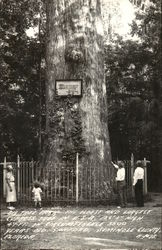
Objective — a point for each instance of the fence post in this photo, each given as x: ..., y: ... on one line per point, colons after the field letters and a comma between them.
x: 145, y: 176
x: 4, y: 177
x: 132, y: 172
x: 32, y: 170
x: 18, y: 175
x: 77, y: 179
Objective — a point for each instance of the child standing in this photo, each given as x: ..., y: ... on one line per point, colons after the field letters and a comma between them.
x: 37, y: 195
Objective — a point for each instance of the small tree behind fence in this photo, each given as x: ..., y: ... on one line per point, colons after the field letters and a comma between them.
x: 65, y: 183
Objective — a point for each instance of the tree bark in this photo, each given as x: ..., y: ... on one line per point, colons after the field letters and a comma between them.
x: 75, y: 50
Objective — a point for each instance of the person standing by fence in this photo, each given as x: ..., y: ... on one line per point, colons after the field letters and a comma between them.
x: 10, y: 188
x: 121, y: 185
x: 138, y: 184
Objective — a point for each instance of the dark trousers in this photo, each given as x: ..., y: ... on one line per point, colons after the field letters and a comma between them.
x: 139, y: 193
x: 122, y: 193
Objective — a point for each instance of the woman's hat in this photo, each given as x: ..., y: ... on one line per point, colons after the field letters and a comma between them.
x: 121, y: 164
x: 139, y: 163
x: 9, y: 167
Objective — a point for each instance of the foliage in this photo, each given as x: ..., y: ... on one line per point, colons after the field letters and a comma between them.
x: 134, y: 91
x: 19, y: 79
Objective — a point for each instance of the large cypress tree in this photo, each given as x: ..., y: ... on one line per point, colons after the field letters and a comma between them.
x: 75, y: 50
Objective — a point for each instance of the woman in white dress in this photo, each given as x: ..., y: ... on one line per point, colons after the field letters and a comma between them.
x: 10, y: 188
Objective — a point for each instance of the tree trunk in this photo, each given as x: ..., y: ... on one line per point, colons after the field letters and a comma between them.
x: 75, y: 50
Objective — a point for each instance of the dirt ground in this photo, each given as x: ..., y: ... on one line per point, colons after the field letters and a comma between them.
x: 102, y: 227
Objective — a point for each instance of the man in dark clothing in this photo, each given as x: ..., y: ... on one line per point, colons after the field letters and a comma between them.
x: 121, y: 185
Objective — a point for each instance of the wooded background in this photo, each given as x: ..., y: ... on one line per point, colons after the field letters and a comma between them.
x: 133, y: 81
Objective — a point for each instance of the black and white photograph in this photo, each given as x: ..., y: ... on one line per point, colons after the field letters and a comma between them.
x: 80, y: 125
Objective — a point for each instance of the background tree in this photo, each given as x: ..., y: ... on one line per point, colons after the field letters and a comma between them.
x: 134, y: 92
x: 149, y: 31
x: 75, y: 51
x: 20, y: 79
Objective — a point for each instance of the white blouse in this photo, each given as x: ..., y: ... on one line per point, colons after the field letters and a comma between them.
x: 120, y: 173
x: 138, y: 174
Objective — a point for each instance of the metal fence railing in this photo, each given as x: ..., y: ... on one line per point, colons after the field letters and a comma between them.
x: 65, y: 182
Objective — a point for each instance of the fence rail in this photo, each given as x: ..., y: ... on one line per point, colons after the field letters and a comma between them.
x: 64, y: 183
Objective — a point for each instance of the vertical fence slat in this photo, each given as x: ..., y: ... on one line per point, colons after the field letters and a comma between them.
x: 90, y: 182
x: 18, y: 176
x: 55, y: 181
x: 68, y: 184
x: 72, y: 182
x: 59, y: 182
x: 48, y: 184
x: 4, y: 177
x: 21, y: 172
x: 81, y: 174
x: 145, y: 176
x: 94, y: 183
x: 27, y: 182
x: 23, y: 183
x: 77, y: 180
x: 50, y: 187
x: 132, y: 172
x: 63, y: 183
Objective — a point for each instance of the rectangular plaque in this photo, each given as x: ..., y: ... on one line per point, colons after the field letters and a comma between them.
x: 68, y: 87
